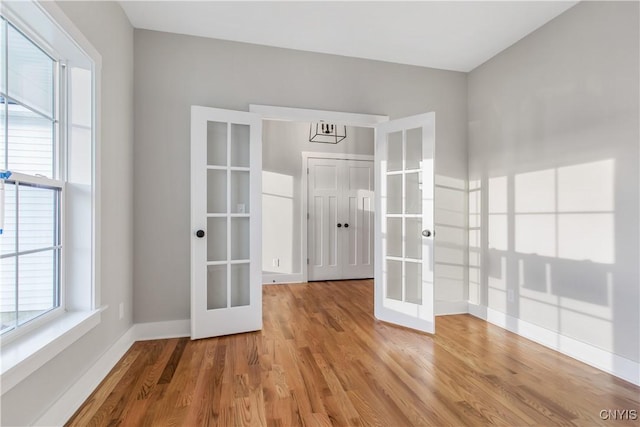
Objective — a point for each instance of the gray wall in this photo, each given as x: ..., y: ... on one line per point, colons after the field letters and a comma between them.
x: 173, y: 72
x: 107, y: 28
x: 553, y: 170
x: 282, y: 147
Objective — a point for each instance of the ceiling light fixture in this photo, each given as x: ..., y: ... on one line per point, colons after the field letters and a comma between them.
x: 327, y: 133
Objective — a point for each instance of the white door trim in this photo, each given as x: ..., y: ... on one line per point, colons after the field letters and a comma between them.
x: 271, y: 112
x: 306, y: 155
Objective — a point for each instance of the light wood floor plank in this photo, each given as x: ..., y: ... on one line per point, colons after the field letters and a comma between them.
x: 322, y: 359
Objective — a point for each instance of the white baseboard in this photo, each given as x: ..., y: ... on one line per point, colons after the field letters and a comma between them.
x: 162, y: 330
x: 478, y: 311
x: 276, y: 278
x: 611, y: 363
x: 63, y: 408
x: 444, y: 308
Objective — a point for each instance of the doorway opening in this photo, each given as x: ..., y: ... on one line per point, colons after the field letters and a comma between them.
x: 403, y: 244
x: 297, y: 241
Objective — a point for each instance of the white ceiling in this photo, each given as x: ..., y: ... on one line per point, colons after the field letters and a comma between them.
x: 451, y: 35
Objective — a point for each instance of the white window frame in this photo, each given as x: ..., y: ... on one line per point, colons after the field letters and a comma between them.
x: 49, y: 315
x: 41, y: 340
x: 60, y: 100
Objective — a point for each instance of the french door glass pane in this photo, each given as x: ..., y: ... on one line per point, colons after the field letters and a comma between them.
x: 36, y: 289
x: 394, y: 237
x: 239, y: 145
x: 413, y: 282
x: 414, y: 148
x: 240, y: 285
x: 216, y: 286
x: 240, y: 240
x: 216, y: 191
x: 394, y: 152
x: 216, y: 144
x: 413, y: 204
x: 394, y: 279
x: 30, y: 73
x: 239, y: 192
x: 216, y: 239
x: 413, y: 238
x: 37, y: 218
x: 394, y: 194
x: 7, y: 293
x: 30, y: 139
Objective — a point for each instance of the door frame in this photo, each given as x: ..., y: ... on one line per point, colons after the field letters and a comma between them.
x: 271, y: 112
x: 306, y: 155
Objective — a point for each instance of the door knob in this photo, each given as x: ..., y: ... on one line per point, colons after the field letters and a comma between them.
x: 346, y: 225
x: 200, y: 233
x: 426, y: 233
x: 339, y: 225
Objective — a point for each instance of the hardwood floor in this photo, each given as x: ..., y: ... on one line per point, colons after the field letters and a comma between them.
x: 322, y: 359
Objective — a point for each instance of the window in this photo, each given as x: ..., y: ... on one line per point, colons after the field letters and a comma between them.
x: 46, y: 143
x: 30, y: 249
x: 49, y: 247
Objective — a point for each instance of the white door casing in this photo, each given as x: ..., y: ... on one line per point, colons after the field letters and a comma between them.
x: 404, y: 224
x: 226, y: 270
x: 340, y: 220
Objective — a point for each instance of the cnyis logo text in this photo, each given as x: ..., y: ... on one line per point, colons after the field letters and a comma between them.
x: 619, y: 414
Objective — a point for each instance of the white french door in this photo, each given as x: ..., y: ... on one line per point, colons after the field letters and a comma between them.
x: 226, y: 163
x: 340, y: 224
x: 404, y: 224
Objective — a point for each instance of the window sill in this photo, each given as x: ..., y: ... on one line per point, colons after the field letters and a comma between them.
x: 22, y: 357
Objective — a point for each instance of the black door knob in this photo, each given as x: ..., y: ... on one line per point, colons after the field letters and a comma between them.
x: 346, y: 225
x: 200, y: 233
x: 339, y: 225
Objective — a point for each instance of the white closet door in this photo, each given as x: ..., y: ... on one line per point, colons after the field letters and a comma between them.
x: 340, y: 225
x: 404, y: 199
x: 226, y: 270
x: 357, y: 215
x: 324, y: 235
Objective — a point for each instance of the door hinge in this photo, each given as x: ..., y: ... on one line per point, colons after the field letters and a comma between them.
x: 307, y: 171
x: 307, y: 215
x: 307, y: 261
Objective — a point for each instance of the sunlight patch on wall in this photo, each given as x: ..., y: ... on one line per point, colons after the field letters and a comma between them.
x: 535, y: 191
x: 277, y: 217
x: 498, y: 232
x: 536, y: 234
x: 498, y: 195
x: 588, y: 187
x: 586, y: 237
x: 474, y: 241
x: 557, y: 237
x: 564, y: 212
